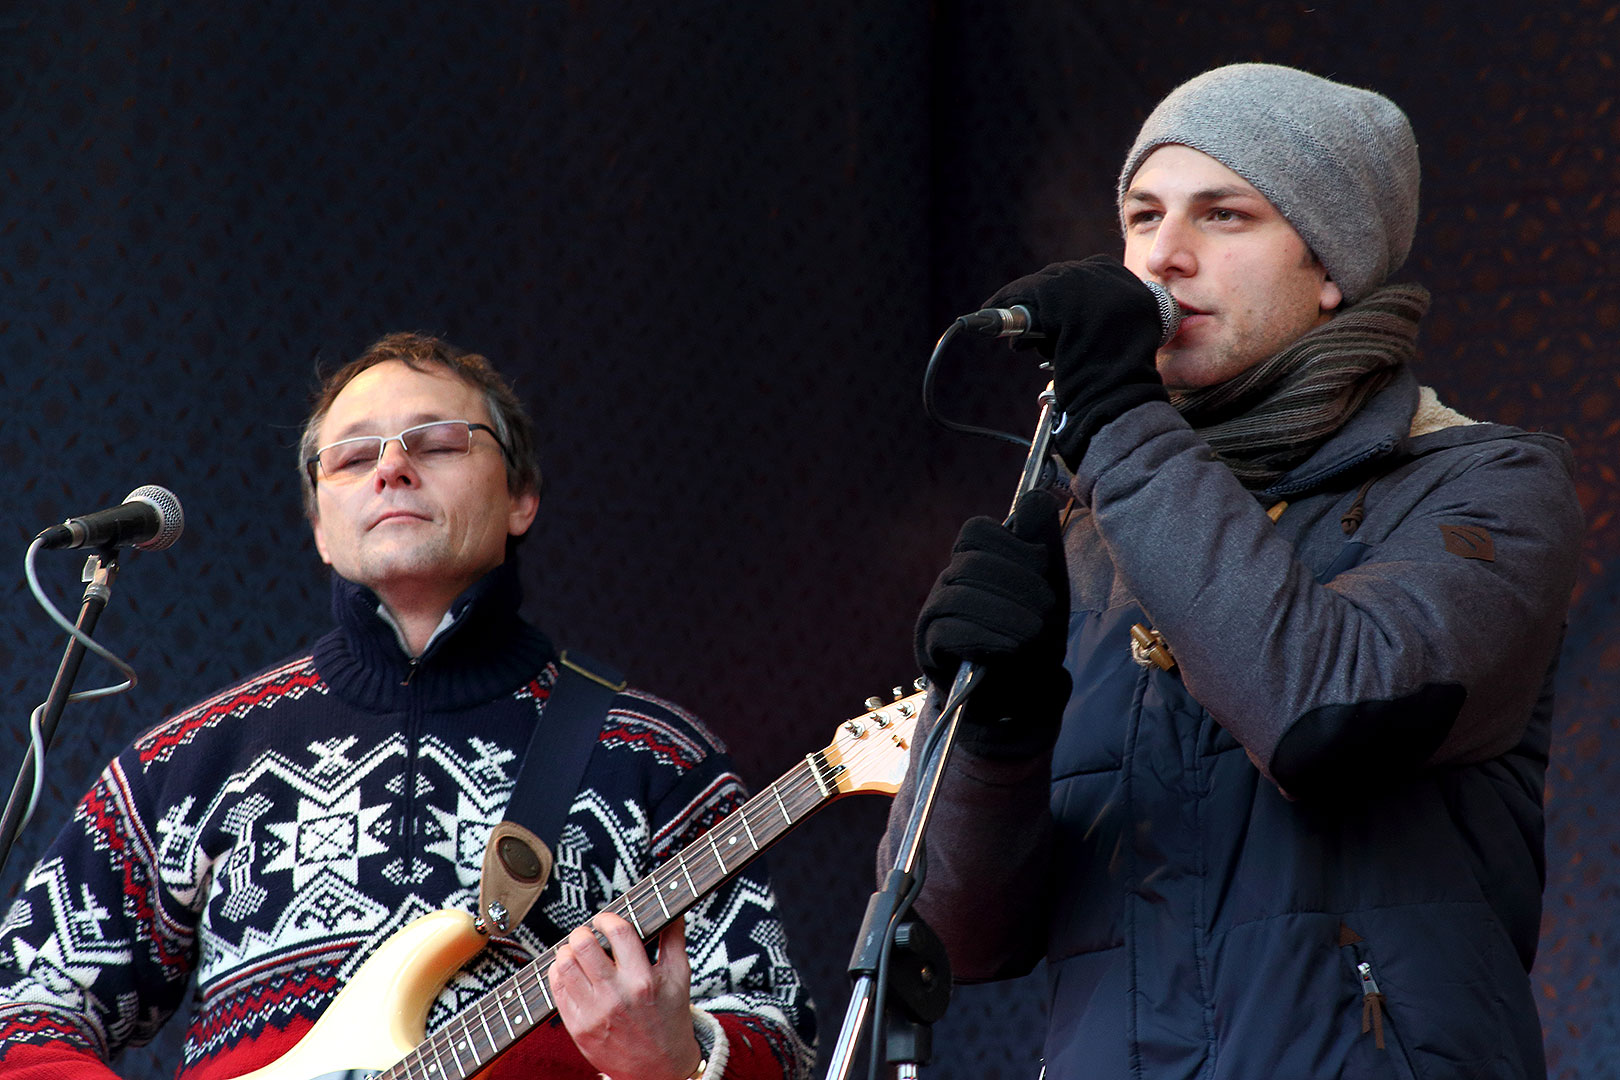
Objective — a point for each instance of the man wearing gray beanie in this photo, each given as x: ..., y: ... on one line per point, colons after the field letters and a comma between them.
x: 1257, y: 761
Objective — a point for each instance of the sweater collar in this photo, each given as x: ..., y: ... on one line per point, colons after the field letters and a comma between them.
x: 486, y: 650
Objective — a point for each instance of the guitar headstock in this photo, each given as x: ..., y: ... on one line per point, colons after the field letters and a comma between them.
x: 870, y: 752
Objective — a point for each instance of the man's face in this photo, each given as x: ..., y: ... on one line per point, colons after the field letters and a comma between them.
x: 415, y: 531
x: 1248, y: 284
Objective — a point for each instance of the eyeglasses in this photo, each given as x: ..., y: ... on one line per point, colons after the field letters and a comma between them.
x: 425, y: 444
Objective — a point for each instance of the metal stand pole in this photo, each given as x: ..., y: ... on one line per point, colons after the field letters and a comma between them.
x: 889, y: 904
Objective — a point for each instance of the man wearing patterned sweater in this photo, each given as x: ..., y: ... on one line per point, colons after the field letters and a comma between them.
x: 270, y: 838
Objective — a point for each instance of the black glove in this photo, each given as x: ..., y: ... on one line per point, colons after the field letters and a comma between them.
x: 1102, y: 329
x: 1003, y: 602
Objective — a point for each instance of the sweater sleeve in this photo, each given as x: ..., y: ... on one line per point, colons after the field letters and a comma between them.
x: 1430, y: 644
x: 97, y: 950
x: 755, y: 1015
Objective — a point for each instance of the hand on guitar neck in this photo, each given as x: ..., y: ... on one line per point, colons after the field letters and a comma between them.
x: 629, y: 1015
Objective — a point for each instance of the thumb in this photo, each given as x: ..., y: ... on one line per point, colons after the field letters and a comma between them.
x: 1034, y: 519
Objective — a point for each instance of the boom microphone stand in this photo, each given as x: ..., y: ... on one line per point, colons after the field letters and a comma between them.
x: 926, y: 976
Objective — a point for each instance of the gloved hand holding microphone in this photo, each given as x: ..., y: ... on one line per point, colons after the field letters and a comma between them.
x: 1100, y: 325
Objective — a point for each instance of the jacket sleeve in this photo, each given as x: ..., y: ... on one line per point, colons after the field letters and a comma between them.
x: 986, y: 857
x: 96, y: 952
x: 1428, y: 645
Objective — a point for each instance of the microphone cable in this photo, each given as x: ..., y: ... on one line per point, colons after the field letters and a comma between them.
x: 930, y: 409
x: 36, y: 736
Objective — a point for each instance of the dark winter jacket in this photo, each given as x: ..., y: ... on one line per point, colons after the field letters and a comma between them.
x: 1313, y: 847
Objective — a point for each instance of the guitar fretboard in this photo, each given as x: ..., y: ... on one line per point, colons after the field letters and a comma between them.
x: 514, y: 1007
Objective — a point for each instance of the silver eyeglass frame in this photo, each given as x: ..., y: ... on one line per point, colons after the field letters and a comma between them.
x: 312, y: 465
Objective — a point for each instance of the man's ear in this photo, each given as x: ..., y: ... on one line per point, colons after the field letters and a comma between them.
x: 320, y: 538
x: 1332, y: 296
x: 520, y: 514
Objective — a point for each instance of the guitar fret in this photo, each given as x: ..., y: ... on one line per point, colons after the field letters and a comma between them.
x: 483, y: 1022
x: 511, y: 1036
x: 466, y: 1045
x: 523, y: 994
x: 512, y: 992
x: 455, y: 1055
x: 433, y: 1045
x: 778, y: 793
x: 743, y: 814
x: 545, y: 991
x: 716, y: 849
x: 660, y: 895
x: 688, y: 874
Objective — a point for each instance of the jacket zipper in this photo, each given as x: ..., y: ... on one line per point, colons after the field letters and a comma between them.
x: 1372, y: 1004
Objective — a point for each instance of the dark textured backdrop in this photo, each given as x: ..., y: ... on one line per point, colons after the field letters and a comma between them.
x: 713, y: 242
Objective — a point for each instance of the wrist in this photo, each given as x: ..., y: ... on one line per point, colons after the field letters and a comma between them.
x: 713, y: 1044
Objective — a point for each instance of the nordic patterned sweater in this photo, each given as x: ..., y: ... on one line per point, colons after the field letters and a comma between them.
x: 270, y: 838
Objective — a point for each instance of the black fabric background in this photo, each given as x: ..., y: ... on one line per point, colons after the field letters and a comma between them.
x: 713, y: 244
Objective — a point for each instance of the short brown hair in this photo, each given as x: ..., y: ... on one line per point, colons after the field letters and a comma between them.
x: 514, y: 430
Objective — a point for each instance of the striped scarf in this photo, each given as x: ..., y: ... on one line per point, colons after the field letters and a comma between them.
x: 1273, y: 416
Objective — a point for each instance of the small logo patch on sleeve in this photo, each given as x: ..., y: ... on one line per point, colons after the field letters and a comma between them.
x: 1469, y: 541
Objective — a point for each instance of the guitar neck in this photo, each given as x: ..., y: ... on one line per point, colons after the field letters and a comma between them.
x: 523, y: 1000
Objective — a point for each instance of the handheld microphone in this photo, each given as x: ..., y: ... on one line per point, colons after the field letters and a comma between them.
x: 149, y: 518
x: 1017, y: 321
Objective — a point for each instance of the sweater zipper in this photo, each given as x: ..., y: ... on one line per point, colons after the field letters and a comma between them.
x: 413, y: 739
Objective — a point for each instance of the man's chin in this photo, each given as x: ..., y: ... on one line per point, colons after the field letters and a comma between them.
x: 381, y: 563
x: 1186, y: 369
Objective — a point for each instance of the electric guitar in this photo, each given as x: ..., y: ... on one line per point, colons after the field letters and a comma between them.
x: 375, y: 1028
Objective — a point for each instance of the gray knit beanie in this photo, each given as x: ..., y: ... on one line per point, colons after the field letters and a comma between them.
x: 1340, y: 163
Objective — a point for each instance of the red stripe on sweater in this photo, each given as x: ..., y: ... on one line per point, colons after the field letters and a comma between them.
x: 100, y: 813
x: 164, y: 740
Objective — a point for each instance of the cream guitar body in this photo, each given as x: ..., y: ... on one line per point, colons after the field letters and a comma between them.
x: 381, y: 1014
x: 375, y: 1029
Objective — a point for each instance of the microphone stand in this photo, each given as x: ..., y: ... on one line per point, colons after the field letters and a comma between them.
x: 99, y: 571
x: 925, y: 976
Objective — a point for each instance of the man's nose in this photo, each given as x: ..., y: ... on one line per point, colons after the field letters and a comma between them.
x: 1174, y: 251
x: 395, y: 467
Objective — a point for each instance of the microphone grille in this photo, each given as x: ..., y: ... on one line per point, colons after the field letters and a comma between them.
x: 171, y: 519
x: 1169, y: 311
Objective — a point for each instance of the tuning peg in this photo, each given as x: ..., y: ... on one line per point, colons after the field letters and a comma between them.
x: 874, y: 702
x: 898, y: 693
x: 921, y: 682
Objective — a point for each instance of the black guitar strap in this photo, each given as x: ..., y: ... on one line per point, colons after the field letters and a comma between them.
x: 554, y: 763
x: 548, y: 780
